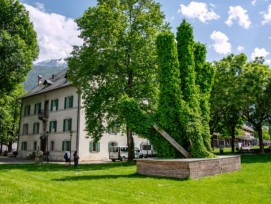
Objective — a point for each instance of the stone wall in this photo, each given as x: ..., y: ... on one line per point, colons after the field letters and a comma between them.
x: 188, y: 168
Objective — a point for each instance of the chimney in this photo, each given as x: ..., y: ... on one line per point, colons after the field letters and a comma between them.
x: 39, y: 79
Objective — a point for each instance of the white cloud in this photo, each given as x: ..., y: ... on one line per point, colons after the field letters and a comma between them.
x: 240, y: 49
x: 40, y: 6
x: 239, y: 14
x: 253, y: 2
x: 56, y: 34
x: 267, y: 16
x: 198, y: 10
x: 221, y: 44
x: 259, y: 52
x: 268, y: 62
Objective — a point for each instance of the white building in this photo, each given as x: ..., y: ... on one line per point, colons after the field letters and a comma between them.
x: 52, y: 119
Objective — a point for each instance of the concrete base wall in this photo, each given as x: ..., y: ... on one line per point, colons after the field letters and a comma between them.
x: 188, y: 168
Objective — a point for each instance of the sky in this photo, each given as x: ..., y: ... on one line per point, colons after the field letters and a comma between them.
x: 224, y: 26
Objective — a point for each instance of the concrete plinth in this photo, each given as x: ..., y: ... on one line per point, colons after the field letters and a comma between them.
x: 188, y: 168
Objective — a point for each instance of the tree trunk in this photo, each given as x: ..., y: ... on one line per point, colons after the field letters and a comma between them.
x: 1, y: 147
x: 130, y: 144
x: 9, y: 146
x: 232, y: 138
x: 260, y: 134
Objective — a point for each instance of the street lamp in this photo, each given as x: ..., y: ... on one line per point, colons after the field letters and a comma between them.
x: 70, y: 145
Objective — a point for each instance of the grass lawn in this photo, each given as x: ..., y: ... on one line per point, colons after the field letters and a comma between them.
x: 119, y: 183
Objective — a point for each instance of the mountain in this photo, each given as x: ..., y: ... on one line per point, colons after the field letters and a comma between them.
x: 53, y: 63
x: 46, y: 69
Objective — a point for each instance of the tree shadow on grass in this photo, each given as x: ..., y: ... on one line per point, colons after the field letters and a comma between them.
x: 60, y: 167
x: 256, y: 158
x: 98, y: 177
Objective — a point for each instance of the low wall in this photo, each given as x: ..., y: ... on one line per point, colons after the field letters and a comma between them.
x: 188, y: 168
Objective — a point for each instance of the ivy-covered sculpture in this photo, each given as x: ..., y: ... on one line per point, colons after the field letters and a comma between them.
x: 185, y: 81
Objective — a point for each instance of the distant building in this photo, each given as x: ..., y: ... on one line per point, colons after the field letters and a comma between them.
x: 53, y: 120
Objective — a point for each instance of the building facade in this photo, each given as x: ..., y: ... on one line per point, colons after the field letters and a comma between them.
x: 53, y: 120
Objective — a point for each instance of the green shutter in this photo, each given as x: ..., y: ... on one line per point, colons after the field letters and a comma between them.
x: 52, y: 101
x: 55, y: 126
x: 65, y: 103
x: 90, y: 146
x: 56, y: 104
x: 109, y: 146
x: 50, y: 126
x: 63, y: 146
x: 64, y: 125
x: 35, y: 109
x: 70, y: 124
x: 98, y: 146
x: 38, y: 131
x: 71, y: 101
x: 33, y: 128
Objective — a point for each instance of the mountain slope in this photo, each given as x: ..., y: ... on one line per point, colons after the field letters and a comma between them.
x: 46, y: 69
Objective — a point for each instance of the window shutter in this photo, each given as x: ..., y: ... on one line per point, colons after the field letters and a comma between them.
x: 90, y: 146
x: 52, y: 102
x: 56, y: 104
x: 64, y: 125
x: 38, y: 128
x: 98, y: 146
x: 63, y: 143
x: 109, y: 146
x: 34, y: 128
x: 65, y: 103
x: 35, y: 109
x: 71, y: 101
x: 70, y: 124
x: 55, y: 126
x: 50, y: 126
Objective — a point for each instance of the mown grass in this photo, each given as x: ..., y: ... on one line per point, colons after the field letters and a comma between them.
x: 119, y: 183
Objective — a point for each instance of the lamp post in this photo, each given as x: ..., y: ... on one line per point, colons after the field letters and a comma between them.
x: 70, y: 145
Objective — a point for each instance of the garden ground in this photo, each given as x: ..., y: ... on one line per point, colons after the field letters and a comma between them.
x: 119, y: 183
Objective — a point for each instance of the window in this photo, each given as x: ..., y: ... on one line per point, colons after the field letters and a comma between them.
x: 54, y: 105
x: 146, y: 147
x: 36, y: 128
x: 94, y: 147
x: 35, y: 145
x: 52, y: 146
x: 25, y: 129
x: 111, y: 145
x: 53, y: 126
x: 68, y: 102
x: 24, y: 146
x: 67, y: 125
x: 66, y: 145
x: 27, y: 110
x: 37, y: 108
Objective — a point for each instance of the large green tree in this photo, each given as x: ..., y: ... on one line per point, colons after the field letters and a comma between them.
x: 196, y: 77
x: 179, y: 105
x: 118, y: 57
x: 256, y: 94
x: 18, y: 44
x: 225, y: 100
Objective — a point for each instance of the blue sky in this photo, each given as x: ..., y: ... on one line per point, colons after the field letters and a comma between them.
x: 229, y: 26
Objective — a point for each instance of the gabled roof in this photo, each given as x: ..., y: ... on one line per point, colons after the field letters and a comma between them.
x: 58, y: 80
